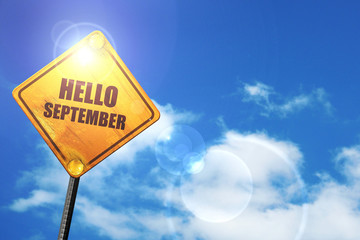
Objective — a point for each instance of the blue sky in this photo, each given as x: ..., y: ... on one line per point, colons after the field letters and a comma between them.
x: 262, y: 94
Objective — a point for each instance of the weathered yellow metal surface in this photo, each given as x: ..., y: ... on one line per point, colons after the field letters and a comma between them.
x: 86, y: 104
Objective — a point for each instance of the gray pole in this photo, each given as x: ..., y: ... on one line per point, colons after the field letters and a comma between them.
x: 68, y: 208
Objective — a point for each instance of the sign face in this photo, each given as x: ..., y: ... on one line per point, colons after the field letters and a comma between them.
x: 86, y: 104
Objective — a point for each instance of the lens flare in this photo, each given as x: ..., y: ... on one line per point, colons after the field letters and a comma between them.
x: 179, y: 148
x: 221, y: 191
x: 193, y: 163
x: 84, y: 56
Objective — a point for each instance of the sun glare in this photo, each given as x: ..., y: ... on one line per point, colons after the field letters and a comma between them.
x: 85, y: 55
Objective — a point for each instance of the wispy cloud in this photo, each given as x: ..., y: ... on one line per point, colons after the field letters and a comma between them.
x: 348, y: 160
x: 126, y: 224
x: 258, y: 92
x: 37, y: 198
x: 106, y: 221
x: 272, y: 103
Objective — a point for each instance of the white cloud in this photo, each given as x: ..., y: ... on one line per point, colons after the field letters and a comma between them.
x: 295, y: 104
x: 47, y: 173
x: 333, y: 211
x: 129, y: 224
x: 348, y: 159
x: 250, y: 188
x: 37, y: 198
x: 221, y: 193
x: 322, y: 98
x: 107, y: 222
x: 260, y: 94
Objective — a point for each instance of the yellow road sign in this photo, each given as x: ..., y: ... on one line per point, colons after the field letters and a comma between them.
x: 86, y: 104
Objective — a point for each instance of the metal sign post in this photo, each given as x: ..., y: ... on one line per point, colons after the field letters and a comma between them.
x: 68, y: 208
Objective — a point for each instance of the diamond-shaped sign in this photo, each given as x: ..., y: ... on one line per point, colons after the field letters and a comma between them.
x: 86, y: 104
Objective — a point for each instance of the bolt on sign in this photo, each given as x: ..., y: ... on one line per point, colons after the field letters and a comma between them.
x: 86, y: 104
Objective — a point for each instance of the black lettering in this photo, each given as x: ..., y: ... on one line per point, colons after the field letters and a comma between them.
x: 98, y: 95
x: 64, y: 111
x: 81, y: 115
x: 103, y: 119
x: 73, y: 115
x: 92, y: 117
x: 78, y: 91
x: 88, y: 93
x: 120, y: 122
x: 48, y: 112
x: 112, y: 120
x: 56, y: 111
x: 110, y: 102
x: 66, y: 89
